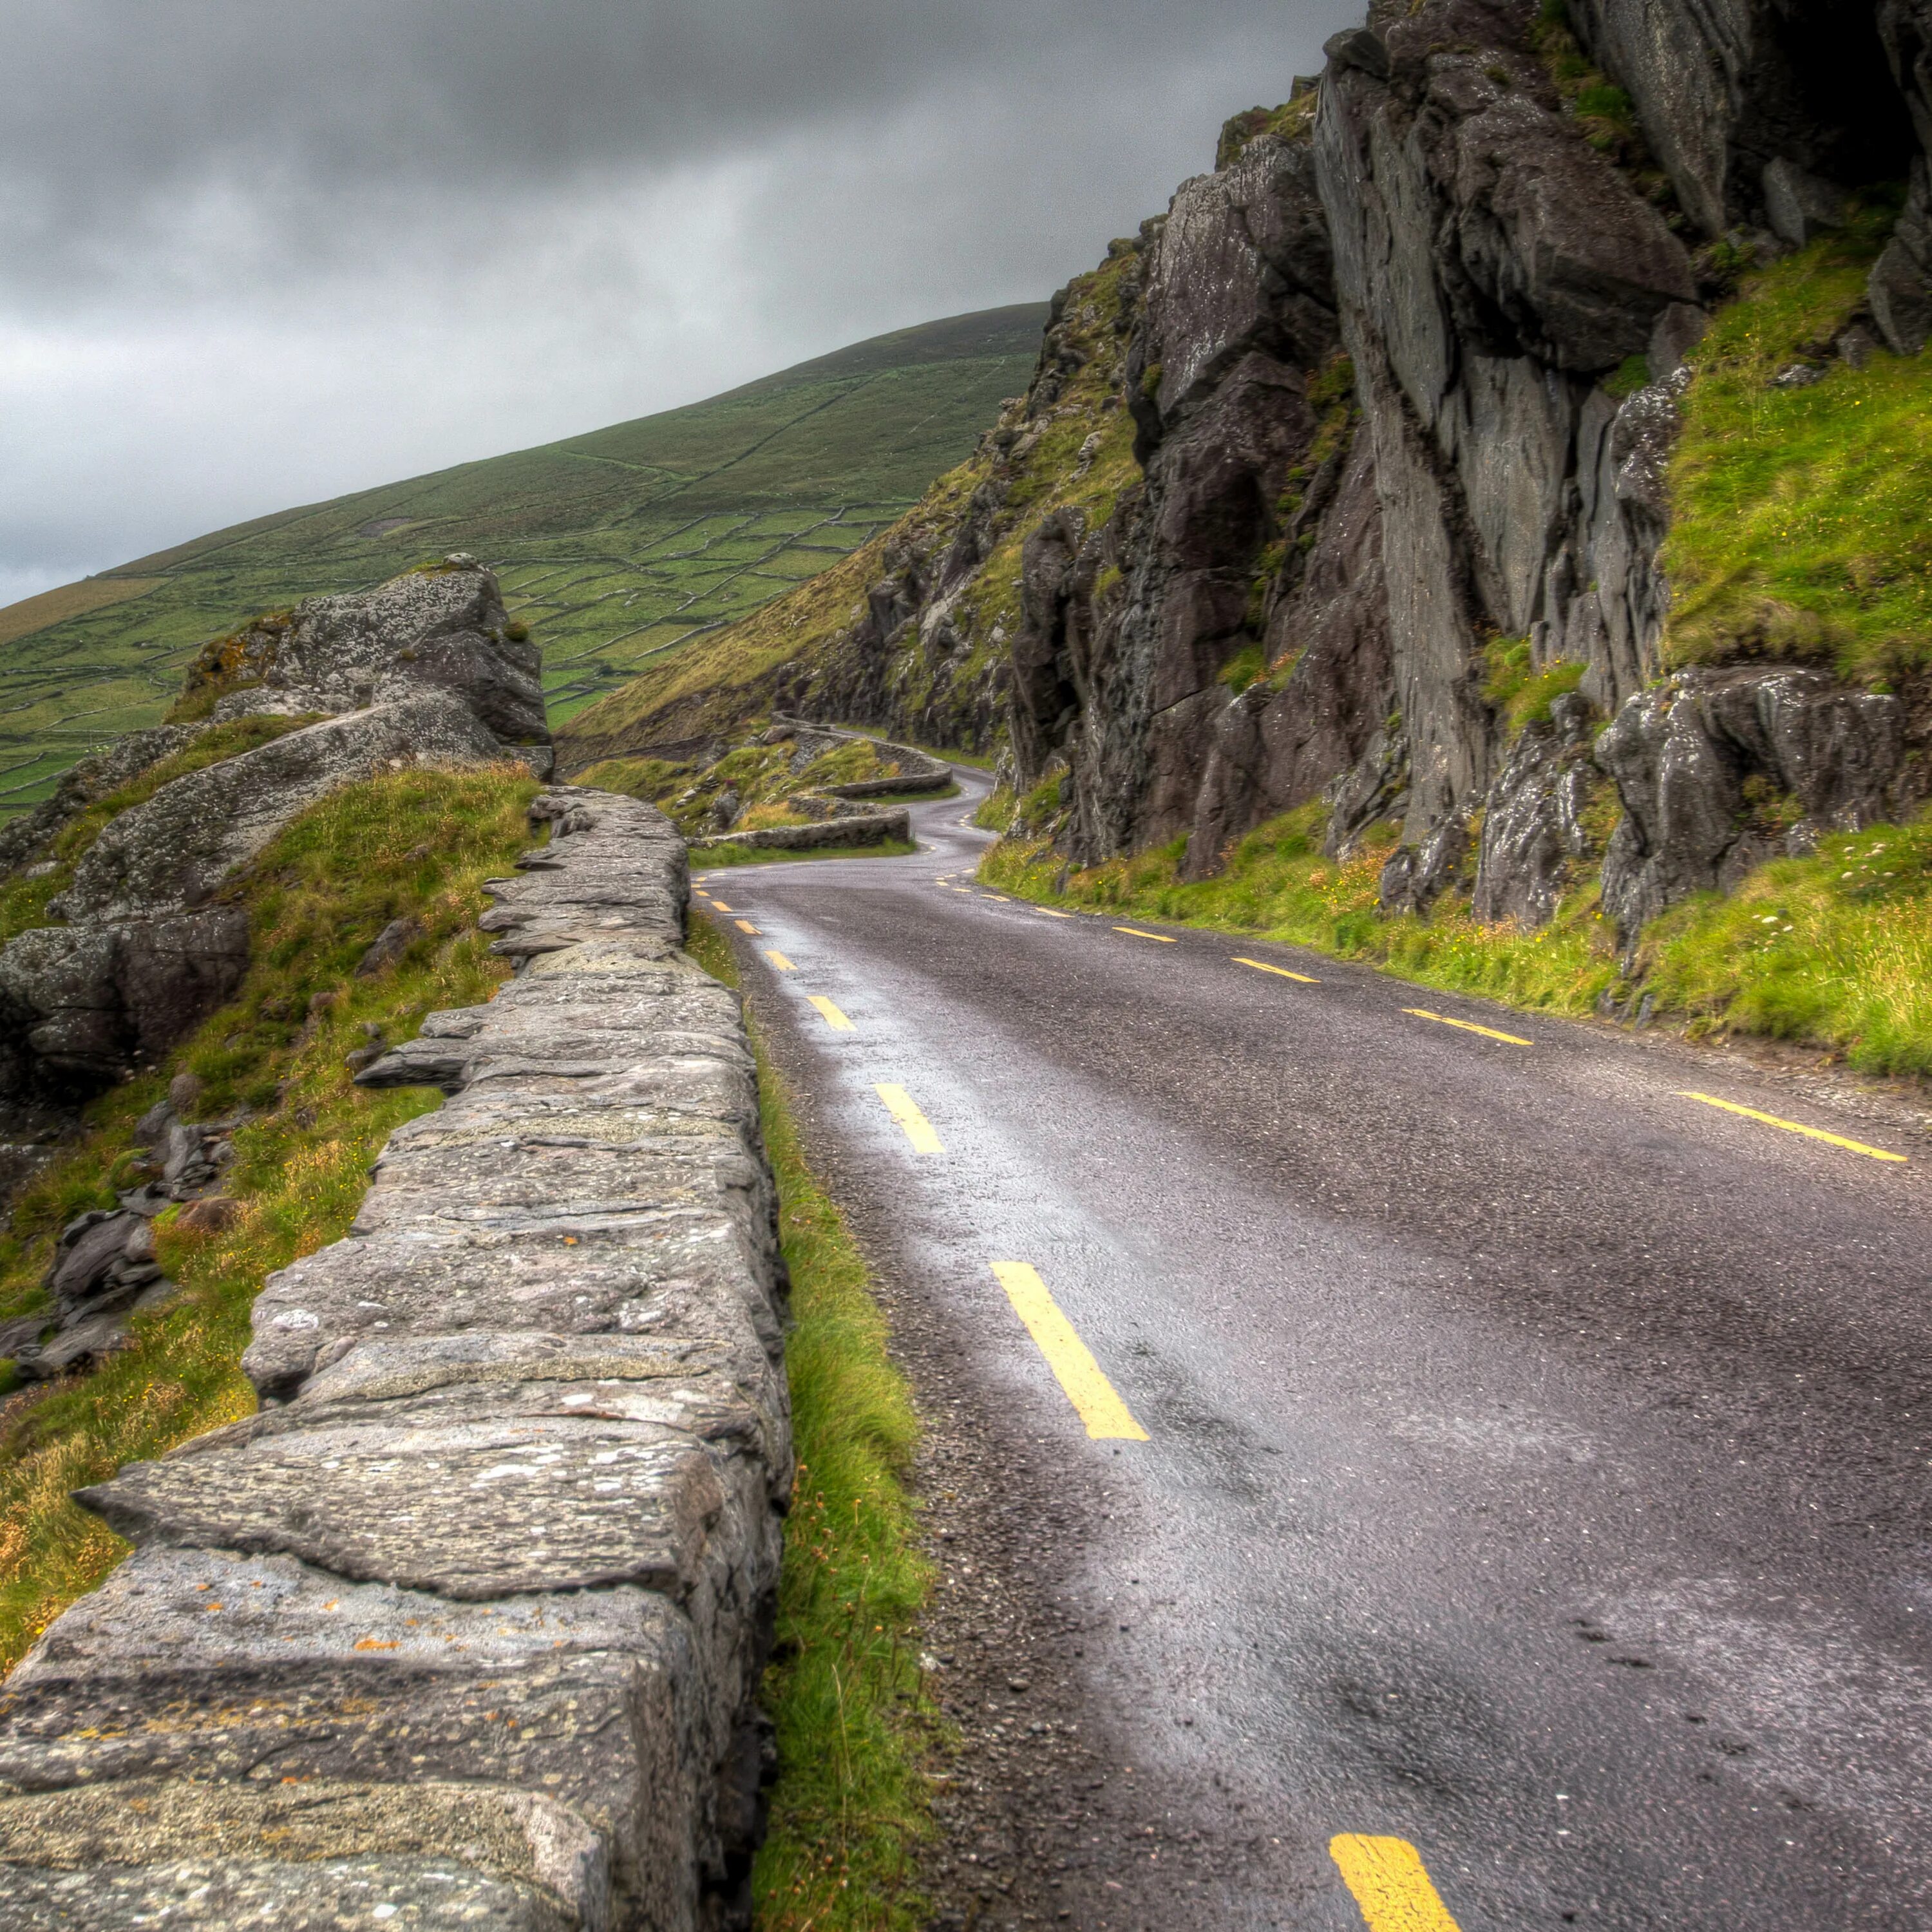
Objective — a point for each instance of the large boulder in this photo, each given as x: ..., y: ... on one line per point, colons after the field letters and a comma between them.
x: 443, y: 627
x: 1704, y: 763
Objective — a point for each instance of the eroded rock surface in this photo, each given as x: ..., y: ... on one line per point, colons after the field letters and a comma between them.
x: 466, y: 1625
x: 423, y: 669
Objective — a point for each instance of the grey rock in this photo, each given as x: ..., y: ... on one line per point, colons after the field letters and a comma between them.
x: 1416, y: 876
x: 91, y: 780
x: 1534, y: 838
x: 1799, y: 206
x: 857, y: 828
x: 1900, y: 289
x: 442, y: 628
x: 1681, y: 756
x: 389, y: 946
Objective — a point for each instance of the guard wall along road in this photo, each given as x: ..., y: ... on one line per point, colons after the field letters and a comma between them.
x: 465, y: 1625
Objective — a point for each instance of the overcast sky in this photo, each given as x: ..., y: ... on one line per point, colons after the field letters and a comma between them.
x: 255, y: 254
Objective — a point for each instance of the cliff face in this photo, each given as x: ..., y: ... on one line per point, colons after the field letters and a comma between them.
x: 1405, y: 372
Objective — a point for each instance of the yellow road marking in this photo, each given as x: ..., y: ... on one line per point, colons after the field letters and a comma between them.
x: 744, y: 925
x: 1793, y: 1127
x: 1051, y: 913
x: 996, y: 899
x: 778, y: 960
x: 834, y: 1019
x: 1262, y: 966
x: 1165, y: 938
x: 1094, y: 1398
x: 1390, y: 1885
x: 918, y: 1129
x: 1468, y: 1026
x: 718, y: 904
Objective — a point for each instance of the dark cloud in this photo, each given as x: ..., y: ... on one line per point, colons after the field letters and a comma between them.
x: 251, y: 253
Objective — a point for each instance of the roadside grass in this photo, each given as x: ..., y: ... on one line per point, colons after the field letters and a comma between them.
x: 1833, y: 952
x: 417, y: 844
x: 845, y: 1688
x: 1802, y: 517
x: 717, y: 858
x: 1278, y: 885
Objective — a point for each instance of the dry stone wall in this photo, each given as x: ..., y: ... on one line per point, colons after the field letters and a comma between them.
x: 465, y: 1626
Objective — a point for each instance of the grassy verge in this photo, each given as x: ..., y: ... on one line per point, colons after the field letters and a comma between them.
x: 415, y: 844
x: 845, y: 1687
x: 1834, y: 952
x: 714, y: 858
x: 1802, y: 519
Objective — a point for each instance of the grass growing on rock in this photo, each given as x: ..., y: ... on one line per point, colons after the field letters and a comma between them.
x: 415, y: 844
x: 1833, y: 952
x: 845, y: 1687
x: 1802, y: 521
x: 714, y: 858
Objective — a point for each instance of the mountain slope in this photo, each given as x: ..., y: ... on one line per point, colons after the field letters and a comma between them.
x: 611, y: 545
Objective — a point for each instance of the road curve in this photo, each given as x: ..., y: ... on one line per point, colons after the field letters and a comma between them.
x: 1523, y: 1460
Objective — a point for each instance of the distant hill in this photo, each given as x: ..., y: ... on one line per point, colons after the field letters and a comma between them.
x: 613, y: 546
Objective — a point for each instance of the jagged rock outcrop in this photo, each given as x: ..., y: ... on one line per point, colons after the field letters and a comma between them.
x: 26, y: 838
x: 443, y: 628
x: 421, y: 669
x: 466, y: 1626
x: 1702, y: 763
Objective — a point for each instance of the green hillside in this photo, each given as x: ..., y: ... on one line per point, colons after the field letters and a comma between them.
x: 613, y: 546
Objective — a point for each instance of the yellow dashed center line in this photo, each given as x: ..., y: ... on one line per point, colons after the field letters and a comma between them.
x: 1094, y: 1398
x: 834, y: 1019
x: 718, y: 904
x: 783, y: 965
x: 1794, y: 1127
x: 918, y: 1129
x: 1262, y: 966
x: 1390, y: 1884
x: 996, y: 899
x: 744, y: 925
x: 1165, y: 938
x: 1468, y: 1026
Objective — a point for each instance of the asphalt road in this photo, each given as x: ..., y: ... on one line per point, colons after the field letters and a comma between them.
x: 1536, y: 1458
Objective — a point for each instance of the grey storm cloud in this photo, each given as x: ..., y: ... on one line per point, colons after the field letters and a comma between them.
x: 250, y: 254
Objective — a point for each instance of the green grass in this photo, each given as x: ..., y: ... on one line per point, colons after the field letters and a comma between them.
x: 1834, y: 952
x: 718, y: 858
x: 419, y: 843
x: 1521, y: 693
x: 845, y: 1689
x: 612, y: 546
x: 1802, y: 517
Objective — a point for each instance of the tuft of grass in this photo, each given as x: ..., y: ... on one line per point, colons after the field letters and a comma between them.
x: 1516, y: 688
x: 715, y: 858
x: 845, y: 1689
x: 1802, y: 517
x: 417, y: 844
x: 1277, y: 883
x: 1835, y: 950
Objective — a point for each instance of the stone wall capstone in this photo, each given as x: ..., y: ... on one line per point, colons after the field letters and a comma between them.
x: 466, y: 1625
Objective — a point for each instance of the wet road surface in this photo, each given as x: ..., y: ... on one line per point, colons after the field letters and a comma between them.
x: 1487, y: 1443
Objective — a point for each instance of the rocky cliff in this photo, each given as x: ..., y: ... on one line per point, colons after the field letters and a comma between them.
x: 119, y: 938
x: 1354, y: 476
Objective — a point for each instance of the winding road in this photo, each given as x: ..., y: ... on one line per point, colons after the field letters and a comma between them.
x: 1503, y: 1463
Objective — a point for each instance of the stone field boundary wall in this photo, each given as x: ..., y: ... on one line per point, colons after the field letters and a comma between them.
x: 465, y: 1627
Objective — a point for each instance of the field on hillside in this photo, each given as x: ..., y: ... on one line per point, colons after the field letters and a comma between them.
x: 613, y: 546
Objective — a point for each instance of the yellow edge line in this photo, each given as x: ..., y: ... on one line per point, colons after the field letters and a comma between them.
x: 1094, y: 1398
x: 1468, y: 1026
x: 1390, y: 1884
x: 834, y: 1019
x: 778, y: 960
x: 918, y: 1129
x: 1165, y: 938
x: 744, y: 926
x: 1262, y: 966
x: 1794, y: 1127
